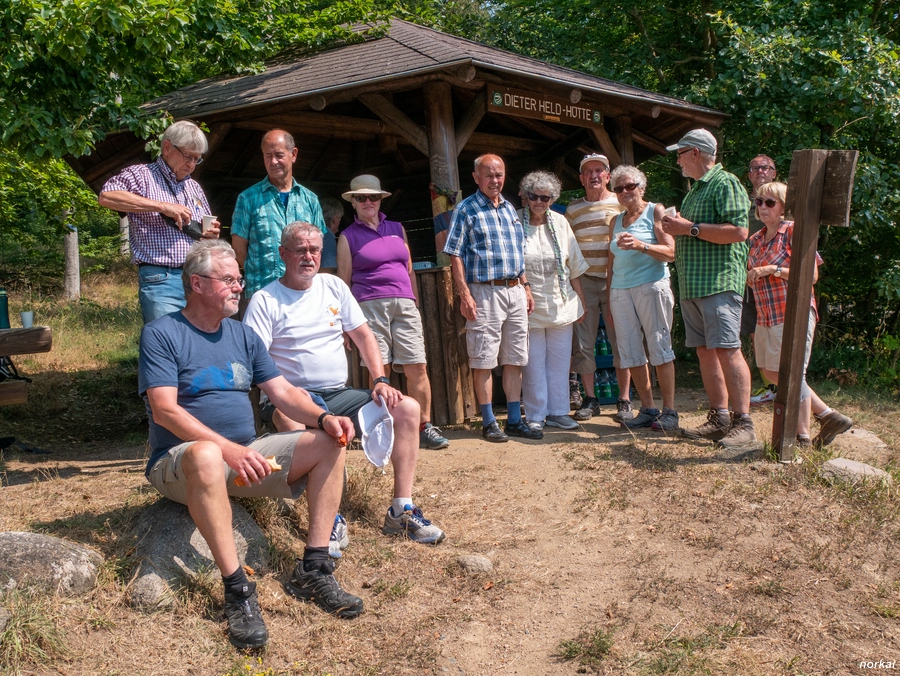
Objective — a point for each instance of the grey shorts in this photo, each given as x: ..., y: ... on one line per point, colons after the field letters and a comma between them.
x: 397, y: 326
x: 584, y: 335
x: 644, y: 312
x: 168, y: 478
x: 713, y: 321
x: 500, y: 329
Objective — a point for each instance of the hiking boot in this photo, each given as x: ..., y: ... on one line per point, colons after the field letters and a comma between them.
x: 321, y: 588
x: 716, y: 426
x: 764, y: 396
x: 339, y: 538
x: 589, y: 408
x: 521, y: 429
x: 741, y: 433
x: 432, y: 438
x: 623, y: 410
x: 831, y: 424
x: 412, y: 524
x: 644, y: 418
x: 575, y: 398
x: 667, y: 420
x: 246, y: 628
x: 493, y: 433
x: 563, y: 422
x: 802, y: 442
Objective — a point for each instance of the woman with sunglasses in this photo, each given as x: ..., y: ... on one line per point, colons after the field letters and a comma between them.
x: 640, y: 296
x: 769, y: 266
x: 553, y: 265
x: 374, y: 260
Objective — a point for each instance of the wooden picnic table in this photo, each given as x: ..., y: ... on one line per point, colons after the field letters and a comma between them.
x: 21, y: 341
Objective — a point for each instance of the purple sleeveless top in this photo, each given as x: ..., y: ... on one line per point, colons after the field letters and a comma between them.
x: 380, y: 259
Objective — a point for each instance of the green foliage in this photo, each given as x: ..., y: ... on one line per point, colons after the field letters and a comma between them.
x: 589, y: 648
x: 31, y: 635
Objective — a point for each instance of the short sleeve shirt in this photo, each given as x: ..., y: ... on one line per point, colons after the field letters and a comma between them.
x: 152, y: 240
x: 489, y: 239
x: 705, y: 268
x: 590, y: 223
x: 260, y: 215
x: 212, y: 372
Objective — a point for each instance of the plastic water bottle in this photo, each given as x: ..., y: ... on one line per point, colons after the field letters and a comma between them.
x: 605, y: 387
x: 4, y: 310
x: 614, y: 383
x: 602, y: 343
x: 597, y: 392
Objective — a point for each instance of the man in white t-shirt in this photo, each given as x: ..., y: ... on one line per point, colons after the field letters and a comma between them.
x: 301, y: 318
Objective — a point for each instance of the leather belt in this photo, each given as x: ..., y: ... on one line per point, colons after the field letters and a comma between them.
x: 504, y: 282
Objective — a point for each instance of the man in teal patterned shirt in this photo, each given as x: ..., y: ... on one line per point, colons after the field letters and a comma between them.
x: 711, y: 261
x: 263, y: 210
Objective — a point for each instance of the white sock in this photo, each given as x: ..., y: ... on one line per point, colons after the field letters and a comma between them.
x: 398, y: 505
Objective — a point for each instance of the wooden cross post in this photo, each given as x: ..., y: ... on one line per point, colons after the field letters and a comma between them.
x: 819, y: 190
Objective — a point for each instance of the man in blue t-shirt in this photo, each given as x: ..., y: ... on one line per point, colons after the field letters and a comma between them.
x: 196, y: 369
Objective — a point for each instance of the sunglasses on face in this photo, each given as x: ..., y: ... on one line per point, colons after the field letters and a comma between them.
x: 768, y: 201
x: 619, y: 189
x: 543, y: 198
x: 367, y: 198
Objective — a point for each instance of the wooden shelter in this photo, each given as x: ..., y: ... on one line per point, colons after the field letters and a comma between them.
x: 415, y: 107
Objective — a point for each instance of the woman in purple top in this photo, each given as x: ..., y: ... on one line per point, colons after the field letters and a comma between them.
x: 373, y: 258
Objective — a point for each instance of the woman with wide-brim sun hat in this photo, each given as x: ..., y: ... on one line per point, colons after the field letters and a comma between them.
x: 374, y: 260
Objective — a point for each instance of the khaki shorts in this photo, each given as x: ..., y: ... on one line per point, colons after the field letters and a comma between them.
x: 168, y: 478
x: 767, y: 344
x: 397, y: 326
x: 500, y: 329
x: 644, y: 311
x: 585, y: 336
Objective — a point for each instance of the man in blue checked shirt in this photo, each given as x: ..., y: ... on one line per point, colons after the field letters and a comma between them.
x: 486, y: 245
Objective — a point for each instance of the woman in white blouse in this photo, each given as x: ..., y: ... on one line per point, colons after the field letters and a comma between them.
x: 553, y: 264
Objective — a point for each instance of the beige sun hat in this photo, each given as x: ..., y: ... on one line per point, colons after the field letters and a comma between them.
x: 366, y: 184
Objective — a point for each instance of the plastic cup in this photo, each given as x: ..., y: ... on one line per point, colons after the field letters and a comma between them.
x: 207, y: 223
x: 671, y: 212
x: 27, y: 319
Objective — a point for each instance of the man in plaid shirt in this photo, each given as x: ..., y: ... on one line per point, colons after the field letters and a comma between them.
x: 151, y: 193
x: 486, y: 245
x: 711, y: 261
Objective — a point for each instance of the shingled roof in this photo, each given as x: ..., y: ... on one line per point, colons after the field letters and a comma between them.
x: 406, y: 49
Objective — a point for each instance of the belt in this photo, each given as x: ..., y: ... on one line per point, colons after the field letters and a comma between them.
x: 167, y: 267
x: 503, y: 282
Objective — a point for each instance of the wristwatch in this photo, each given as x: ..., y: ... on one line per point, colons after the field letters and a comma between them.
x: 778, y: 272
x: 695, y: 230
x: 381, y: 379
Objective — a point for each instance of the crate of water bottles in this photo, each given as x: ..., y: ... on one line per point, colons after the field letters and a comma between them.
x: 602, y: 349
x: 606, y: 387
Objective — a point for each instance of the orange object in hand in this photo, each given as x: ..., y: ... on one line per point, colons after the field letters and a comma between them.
x: 239, y: 481
x: 343, y: 439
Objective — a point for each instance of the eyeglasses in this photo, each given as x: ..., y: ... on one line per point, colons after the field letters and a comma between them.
x: 619, y: 189
x: 303, y: 250
x: 763, y: 167
x: 366, y: 198
x: 769, y: 202
x: 543, y: 198
x: 228, y: 281
x: 686, y: 150
x: 188, y: 158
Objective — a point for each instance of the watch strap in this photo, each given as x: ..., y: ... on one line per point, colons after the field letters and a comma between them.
x: 381, y: 379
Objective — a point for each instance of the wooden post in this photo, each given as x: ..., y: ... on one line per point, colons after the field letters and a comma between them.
x: 72, y: 280
x: 442, y: 151
x: 819, y: 191
x: 124, y: 241
x: 624, y: 140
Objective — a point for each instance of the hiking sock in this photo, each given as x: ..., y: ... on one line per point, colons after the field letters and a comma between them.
x: 487, y: 414
x: 399, y: 505
x: 317, y: 558
x: 237, y: 582
x: 827, y: 410
x: 724, y: 411
x: 513, y: 412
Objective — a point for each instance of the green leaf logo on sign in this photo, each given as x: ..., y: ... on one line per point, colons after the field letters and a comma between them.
x: 497, y: 98
x: 598, y: 118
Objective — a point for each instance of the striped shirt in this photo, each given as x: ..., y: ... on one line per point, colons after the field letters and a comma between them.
x: 590, y: 223
x: 259, y: 217
x: 152, y: 240
x: 704, y: 268
x: 770, y: 292
x: 490, y: 240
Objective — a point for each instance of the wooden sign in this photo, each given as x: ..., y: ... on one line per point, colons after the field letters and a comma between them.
x: 539, y: 106
x: 840, y: 168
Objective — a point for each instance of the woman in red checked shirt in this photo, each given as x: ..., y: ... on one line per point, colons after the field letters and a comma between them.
x: 769, y: 267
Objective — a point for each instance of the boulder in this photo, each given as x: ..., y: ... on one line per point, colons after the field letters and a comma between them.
x: 48, y: 563
x: 842, y: 469
x: 170, y: 548
x: 475, y: 564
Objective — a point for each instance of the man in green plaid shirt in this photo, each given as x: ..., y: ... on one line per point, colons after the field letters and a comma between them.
x: 711, y: 261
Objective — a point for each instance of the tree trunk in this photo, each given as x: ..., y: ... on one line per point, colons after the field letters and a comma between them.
x: 72, y: 284
x: 124, y: 246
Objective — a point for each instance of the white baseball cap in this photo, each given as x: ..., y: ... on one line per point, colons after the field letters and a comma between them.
x: 377, y: 427
x: 594, y: 157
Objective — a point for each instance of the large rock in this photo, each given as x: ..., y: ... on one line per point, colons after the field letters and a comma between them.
x: 852, y: 471
x: 171, y: 548
x: 32, y: 559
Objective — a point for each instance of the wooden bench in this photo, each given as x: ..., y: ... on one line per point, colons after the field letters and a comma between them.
x: 21, y: 341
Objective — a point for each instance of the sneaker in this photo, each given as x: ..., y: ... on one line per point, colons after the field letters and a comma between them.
x: 589, y: 408
x: 322, y: 589
x: 493, y: 433
x: 667, y: 420
x: 521, y: 429
x: 741, y: 432
x: 432, y: 438
x: 536, y: 425
x: 764, y: 396
x: 563, y: 422
x: 644, y: 418
x: 246, y: 628
x: 831, y: 424
x: 575, y: 398
x: 412, y: 524
x: 339, y: 538
x: 716, y: 426
x: 623, y: 410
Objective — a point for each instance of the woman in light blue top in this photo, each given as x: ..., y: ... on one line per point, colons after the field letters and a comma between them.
x: 640, y: 296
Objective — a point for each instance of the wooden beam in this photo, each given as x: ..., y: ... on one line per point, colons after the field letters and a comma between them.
x: 359, y: 156
x: 623, y: 138
x: 396, y: 118
x: 217, y: 134
x: 547, y: 131
x: 502, y: 144
x: 606, y: 144
x: 324, y: 158
x: 25, y: 341
x: 243, y: 159
x: 13, y: 392
x: 441, y: 135
x: 339, y: 126
x: 648, y: 141
x: 469, y: 121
